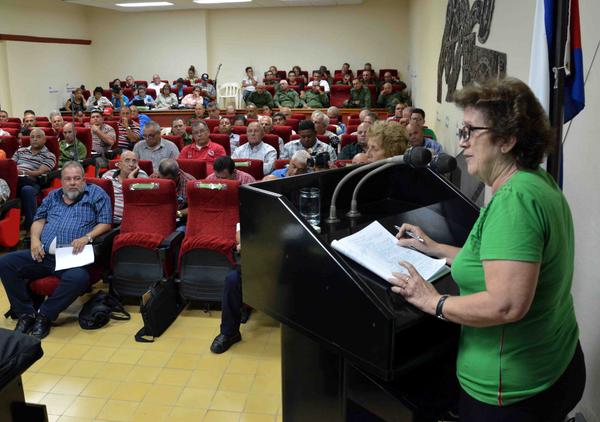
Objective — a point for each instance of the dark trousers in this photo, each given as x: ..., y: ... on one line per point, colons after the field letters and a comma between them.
x: 231, y: 303
x: 27, y: 191
x: 18, y: 268
x: 551, y: 405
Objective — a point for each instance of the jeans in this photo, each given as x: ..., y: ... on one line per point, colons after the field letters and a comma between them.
x: 18, y: 268
x: 231, y: 304
x: 28, y: 189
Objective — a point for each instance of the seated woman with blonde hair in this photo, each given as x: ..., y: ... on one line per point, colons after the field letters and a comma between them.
x: 386, y: 139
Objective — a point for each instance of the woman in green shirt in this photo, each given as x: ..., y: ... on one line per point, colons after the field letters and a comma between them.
x: 519, y: 357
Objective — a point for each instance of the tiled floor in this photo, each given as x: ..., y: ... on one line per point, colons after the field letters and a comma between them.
x: 105, y: 375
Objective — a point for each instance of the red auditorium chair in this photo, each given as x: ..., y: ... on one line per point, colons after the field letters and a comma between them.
x: 281, y: 74
x: 15, y: 119
x: 296, y: 88
x: 347, y: 139
x: 339, y: 94
x: 12, y: 130
x: 10, y: 211
x: 197, y: 168
x: 284, y: 132
x: 41, y: 119
x: 394, y: 72
x: 271, y: 89
x: 304, y: 73
x: 147, y: 246
x: 354, y: 121
x: 342, y: 163
x: 207, y: 251
x: 145, y: 165
x: 281, y: 164
x: 177, y: 140
x: 151, y: 92
x: 269, y: 139
x: 48, y: 131
x: 223, y: 140
x: 239, y: 130
x: 331, y: 128
x: 141, y: 82
x: 128, y: 92
x: 211, y: 123
x: 250, y: 166
x: 321, y: 138
x: 293, y: 123
x: 354, y: 116
x: 14, y: 125
x: 107, y: 93
x: 9, y: 144
x: 188, y: 90
x: 373, y: 89
x: 102, y: 246
x: 42, y: 123
x: 298, y: 116
x: 350, y: 129
x: 333, y: 120
x: 86, y: 94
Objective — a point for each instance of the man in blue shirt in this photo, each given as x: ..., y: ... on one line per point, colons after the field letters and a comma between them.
x: 73, y: 215
x: 417, y: 139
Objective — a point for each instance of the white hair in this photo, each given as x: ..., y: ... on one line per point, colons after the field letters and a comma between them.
x: 319, y: 115
x: 301, y: 156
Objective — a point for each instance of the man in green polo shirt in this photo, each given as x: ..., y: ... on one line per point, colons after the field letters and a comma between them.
x: 418, y: 117
x: 261, y: 97
x: 286, y: 97
x: 360, y: 96
x: 69, y: 145
x: 314, y: 98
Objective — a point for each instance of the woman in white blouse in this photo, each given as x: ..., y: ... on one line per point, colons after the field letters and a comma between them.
x: 194, y: 98
x: 166, y: 99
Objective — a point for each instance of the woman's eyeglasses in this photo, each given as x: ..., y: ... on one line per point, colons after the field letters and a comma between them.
x: 464, y: 133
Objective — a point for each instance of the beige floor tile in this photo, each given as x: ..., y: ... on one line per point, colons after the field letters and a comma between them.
x: 131, y: 391
x: 242, y: 365
x: 56, y: 404
x: 270, y: 367
x: 220, y: 416
x: 70, y: 385
x: 205, y: 379
x: 166, y: 395
x: 51, y: 348
x: 99, y: 388
x: 183, y: 361
x: 154, y: 358
x: 111, y: 339
x: 57, y: 366
x: 257, y: 417
x: 34, y: 396
x: 65, y: 418
x: 88, y: 337
x: 267, y: 384
x: 212, y: 362
x: 228, y: 401
x: 130, y: 356
x: 115, y: 371
x: 184, y: 414
x: 143, y: 374
x: 178, y: 377
x: 195, y: 398
x: 85, y: 407
x: 115, y: 410
x: 197, y: 346
x: 86, y: 368
x: 263, y: 403
x: 150, y: 412
x: 239, y: 383
x: 99, y: 353
x: 71, y: 351
x: 41, y: 382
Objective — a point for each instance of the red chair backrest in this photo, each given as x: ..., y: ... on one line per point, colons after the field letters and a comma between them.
x: 128, y: 92
x: 338, y: 94
x: 284, y: 132
x: 141, y: 195
x: 8, y: 172
x: 347, y: 140
x: 42, y: 123
x: 177, y: 140
x: 16, y: 125
x: 271, y: 89
x: 321, y: 138
x: 394, y: 72
x: 268, y: 138
x: 145, y: 165
x: 86, y: 94
x: 51, y: 144
x: 48, y: 131
x: 223, y: 140
x: 280, y: 164
x: 213, y: 208
x: 331, y: 128
x: 107, y: 93
x: 373, y: 89
x: 9, y: 144
x: 354, y: 116
x: 140, y: 82
x: 211, y: 123
x: 298, y: 116
x: 293, y: 123
x: 41, y: 118
x: 281, y: 74
x: 104, y: 184
x: 250, y: 166
x: 333, y: 120
x: 350, y: 129
x: 188, y: 90
x: 196, y: 168
x: 354, y: 122
x: 151, y: 92
x: 12, y: 130
x: 239, y: 130
x: 15, y: 119
x: 115, y: 125
x: 84, y: 134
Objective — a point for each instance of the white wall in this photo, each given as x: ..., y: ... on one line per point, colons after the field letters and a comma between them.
x: 374, y: 31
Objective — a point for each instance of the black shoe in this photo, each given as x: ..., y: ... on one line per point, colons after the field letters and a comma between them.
x: 25, y: 323
x: 41, y: 327
x: 245, y: 313
x: 222, y: 343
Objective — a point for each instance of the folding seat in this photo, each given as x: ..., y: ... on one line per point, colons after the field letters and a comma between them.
x: 280, y: 164
x: 293, y: 123
x: 9, y: 144
x: 147, y: 245
x: 211, y: 123
x: 238, y: 130
x: 145, y: 165
x: 196, y: 168
x: 10, y: 211
x: 299, y: 116
x: 10, y: 124
x: 333, y: 120
x: 86, y: 94
x: 284, y: 132
x: 337, y: 78
x: 141, y: 82
x: 347, y: 139
x: 229, y: 116
x: 41, y: 119
x: 207, y: 251
x: 42, y: 123
x: 331, y: 127
x: 339, y: 94
x: 12, y: 130
x: 281, y: 74
x: 271, y: 89
x: 354, y: 121
x: 107, y: 93
x: 165, y: 81
x: 350, y: 129
x: 15, y: 119
x: 48, y: 131
x: 250, y: 166
x: 67, y: 119
x: 394, y: 72
x: 188, y: 90
x: 177, y: 140
x: 268, y: 138
x: 373, y: 89
x: 354, y: 116
x: 102, y: 246
x: 398, y: 87
x: 223, y: 140
x: 151, y: 92
x: 128, y: 92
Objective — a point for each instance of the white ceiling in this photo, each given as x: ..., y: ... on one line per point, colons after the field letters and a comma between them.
x: 189, y: 4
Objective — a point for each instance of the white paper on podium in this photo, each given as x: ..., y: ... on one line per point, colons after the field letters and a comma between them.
x: 65, y: 258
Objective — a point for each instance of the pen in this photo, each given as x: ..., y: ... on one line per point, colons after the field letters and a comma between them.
x: 411, y: 234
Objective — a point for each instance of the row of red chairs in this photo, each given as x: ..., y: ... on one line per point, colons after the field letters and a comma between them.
x: 282, y: 74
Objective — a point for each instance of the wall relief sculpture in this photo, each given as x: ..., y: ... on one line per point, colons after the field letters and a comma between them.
x: 459, y: 50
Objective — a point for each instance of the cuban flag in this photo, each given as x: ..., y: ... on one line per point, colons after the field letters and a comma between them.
x: 541, y: 78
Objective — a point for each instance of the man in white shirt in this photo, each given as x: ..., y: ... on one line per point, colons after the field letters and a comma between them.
x: 256, y: 149
x: 156, y: 83
x: 320, y: 79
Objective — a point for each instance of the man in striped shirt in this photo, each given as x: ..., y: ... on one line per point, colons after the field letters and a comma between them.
x: 129, y: 130
x: 32, y: 161
x: 127, y: 168
x: 256, y: 149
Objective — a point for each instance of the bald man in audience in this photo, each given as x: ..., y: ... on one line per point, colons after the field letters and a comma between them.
x: 251, y: 111
x: 360, y: 158
x: 57, y: 122
x: 202, y: 148
x: 256, y: 149
x: 156, y: 83
x: 286, y: 97
x: 69, y: 145
x: 261, y: 97
x: 169, y: 169
x: 360, y: 146
x: 334, y: 113
x: 416, y: 138
x: 267, y: 124
x: 298, y: 165
x: 153, y: 147
x: 127, y: 168
x: 321, y: 122
x: 388, y: 99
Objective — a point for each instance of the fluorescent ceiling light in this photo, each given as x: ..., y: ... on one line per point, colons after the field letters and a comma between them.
x: 220, y: 1
x: 145, y: 4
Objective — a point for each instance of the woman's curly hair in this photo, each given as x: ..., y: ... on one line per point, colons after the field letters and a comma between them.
x: 394, y: 138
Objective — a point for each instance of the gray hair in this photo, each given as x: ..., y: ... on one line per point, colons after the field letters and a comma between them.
x: 199, y: 123
x: 334, y: 109
x: 37, y: 129
x: 153, y: 124
x: 72, y: 163
x: 301, y: 156
x: 319, y: 115
x: 53, y: 114
x: 168, y: 167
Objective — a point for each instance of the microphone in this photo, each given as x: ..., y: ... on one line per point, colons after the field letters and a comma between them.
x: 416, y: 157
x: 443, y: 163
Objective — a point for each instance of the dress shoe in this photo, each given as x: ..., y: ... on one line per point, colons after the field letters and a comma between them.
x: 25, y: 323
x: 222, y: 343
x: 41, y: 326
x: 245, y: 313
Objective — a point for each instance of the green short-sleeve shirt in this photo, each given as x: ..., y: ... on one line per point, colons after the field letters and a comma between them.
x: 528, y: 219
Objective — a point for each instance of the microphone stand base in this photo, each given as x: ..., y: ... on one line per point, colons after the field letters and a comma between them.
x: 332, y: 220
x: 352, y: 214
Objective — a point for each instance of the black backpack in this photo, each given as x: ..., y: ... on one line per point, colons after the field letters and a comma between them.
x: 100, y: 309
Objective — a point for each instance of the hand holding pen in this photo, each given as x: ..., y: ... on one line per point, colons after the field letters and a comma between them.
x: 413, y: 237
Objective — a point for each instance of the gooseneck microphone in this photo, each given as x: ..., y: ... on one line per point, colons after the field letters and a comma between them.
x: 417, y: 157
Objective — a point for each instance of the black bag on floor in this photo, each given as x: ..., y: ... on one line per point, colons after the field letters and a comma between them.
x: 159, y: 308
x: 102, y: 307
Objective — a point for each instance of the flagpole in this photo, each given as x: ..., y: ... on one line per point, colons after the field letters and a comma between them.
x: 561, y: 20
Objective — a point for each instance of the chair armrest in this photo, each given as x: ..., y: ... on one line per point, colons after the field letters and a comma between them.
x: 111, y: 154
x: 171, y: 242
x: 8, y: 205
x: 105, y: 241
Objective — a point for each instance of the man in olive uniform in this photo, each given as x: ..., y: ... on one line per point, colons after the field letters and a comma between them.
x: 314, y: 98
x: 261, y: 97
x: 287, y: 97
x: 388, y: 99
x: 360, y: 96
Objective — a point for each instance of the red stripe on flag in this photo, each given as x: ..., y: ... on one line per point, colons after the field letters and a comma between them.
x: 575, y: 30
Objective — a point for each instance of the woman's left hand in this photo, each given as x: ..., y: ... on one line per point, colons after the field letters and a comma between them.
x: 416, y: 290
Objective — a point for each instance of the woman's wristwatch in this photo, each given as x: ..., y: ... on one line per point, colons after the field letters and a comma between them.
x: 439, y: 309
x: 89, y: 238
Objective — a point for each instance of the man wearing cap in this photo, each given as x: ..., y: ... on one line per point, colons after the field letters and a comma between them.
x: 209, y: 92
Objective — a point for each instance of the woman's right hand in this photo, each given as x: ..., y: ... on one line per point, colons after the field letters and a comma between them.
x: 427, y: 246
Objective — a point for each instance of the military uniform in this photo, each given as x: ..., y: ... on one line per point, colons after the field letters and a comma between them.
x: 363, y: 96
x: 289, y: 98
x: 316, y: 100
x: 260, y: 100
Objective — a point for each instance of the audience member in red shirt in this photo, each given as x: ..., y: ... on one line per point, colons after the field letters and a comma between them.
x: 202, y: 148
